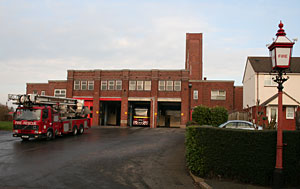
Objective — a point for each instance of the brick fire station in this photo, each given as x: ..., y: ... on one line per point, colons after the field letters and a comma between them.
x: 164, y: 97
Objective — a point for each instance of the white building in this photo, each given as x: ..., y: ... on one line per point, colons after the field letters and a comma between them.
x: 260, y: 89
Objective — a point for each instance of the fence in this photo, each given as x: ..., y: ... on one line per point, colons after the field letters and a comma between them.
x: 239, y: 116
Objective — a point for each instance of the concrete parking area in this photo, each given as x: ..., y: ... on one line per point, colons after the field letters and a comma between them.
x: 100, y: 158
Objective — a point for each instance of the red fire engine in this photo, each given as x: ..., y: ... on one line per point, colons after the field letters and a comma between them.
x: 141, y: 116
x: 47, y: 116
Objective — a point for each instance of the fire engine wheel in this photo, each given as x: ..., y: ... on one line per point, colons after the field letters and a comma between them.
x: 75, y: 130
x: 81, y: 130
x: 49, y: 135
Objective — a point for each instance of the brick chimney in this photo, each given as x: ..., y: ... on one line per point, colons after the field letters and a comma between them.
x: 193, y: 58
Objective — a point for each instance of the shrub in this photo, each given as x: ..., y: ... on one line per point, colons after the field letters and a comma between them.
x: 210, y: 116
x: 247, y: 156
x: 189, y: 123
x: 201, y: 115
x: 218, y: 115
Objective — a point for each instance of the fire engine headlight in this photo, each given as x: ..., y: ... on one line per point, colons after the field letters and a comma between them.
x: 15, y: 131
x: 36, y: 132
x: 44, y: 126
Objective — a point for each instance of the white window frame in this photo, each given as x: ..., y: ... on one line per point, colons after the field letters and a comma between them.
x: 161, y: 85
x: 84, y: 85
x: 43, y: 93
x: 91, y: 85
x: 268, y: 81
x: 147, y: 86
x: 132, y: 85
x: 111, y: 85
x: 195, y: 95
x: 270, y: 113
x: 103, y: 85
x: 139, y: 85
x: 118, y: 85
x: 169, y: 86
x: 216, y: 95
x: 290, y: 112
x: 177, y: 85
x: 60, y: 93
x: 76, y: 85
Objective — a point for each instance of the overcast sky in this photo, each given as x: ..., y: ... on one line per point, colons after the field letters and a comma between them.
x: 40, y: 40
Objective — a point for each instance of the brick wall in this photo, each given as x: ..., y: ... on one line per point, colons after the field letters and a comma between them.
x: 38, y: 87
x: 238, y: 98
x: 204, y: 93
x: 47, y: 87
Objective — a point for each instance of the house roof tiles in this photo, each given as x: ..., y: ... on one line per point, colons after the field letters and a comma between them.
x: 264, y: 64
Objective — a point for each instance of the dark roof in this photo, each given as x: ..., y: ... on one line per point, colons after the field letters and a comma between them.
x: 264, y: 64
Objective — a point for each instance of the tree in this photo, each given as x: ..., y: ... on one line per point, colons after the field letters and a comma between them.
x: 4, y: 110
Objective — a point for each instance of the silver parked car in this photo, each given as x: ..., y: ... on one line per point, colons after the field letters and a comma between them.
x: 240, y: 124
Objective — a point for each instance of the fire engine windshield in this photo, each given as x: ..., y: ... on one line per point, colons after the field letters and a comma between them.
x: 141, y: 112
x: 28, y: 114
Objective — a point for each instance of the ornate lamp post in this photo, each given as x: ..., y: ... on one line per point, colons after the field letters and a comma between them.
x: 280, y: 52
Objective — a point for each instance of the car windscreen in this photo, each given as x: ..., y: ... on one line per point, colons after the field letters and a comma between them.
x: 141, y: 112
x: 28, y: 114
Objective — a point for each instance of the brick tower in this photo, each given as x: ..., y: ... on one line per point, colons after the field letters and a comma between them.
x: 193, y: 58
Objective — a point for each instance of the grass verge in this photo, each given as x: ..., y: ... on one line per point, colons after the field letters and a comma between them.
x: 6, y: 125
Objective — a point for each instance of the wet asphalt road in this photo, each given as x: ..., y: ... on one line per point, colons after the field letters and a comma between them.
x: 100, y: 158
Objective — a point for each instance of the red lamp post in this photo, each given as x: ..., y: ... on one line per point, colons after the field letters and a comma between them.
x: 280, y: 52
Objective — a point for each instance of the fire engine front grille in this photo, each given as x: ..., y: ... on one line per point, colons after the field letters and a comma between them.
x: 26, y: 127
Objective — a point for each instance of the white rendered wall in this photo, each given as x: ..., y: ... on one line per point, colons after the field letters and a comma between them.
x: 249, y: 89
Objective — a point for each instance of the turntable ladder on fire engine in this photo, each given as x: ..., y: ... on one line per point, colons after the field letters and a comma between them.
x: 41, y: 100
x: 67, y: 107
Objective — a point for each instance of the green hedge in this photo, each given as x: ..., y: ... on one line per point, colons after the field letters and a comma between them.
x: 247, y: 156
x: 210, y: 116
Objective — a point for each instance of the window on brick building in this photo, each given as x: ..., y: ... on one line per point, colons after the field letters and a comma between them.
x: 83, y: 85
x: 218, y: 95
x: 139, y: 85
x: 147, y: 86
x: 90, y: 85
x: 34, y: 92
x: 103, y: 85
x: 169, y: 86
x: 119, y: 85
x: 177, y: 85
x: 60, y: 92
x: 161, y: 85
x: 132, y: 85
x: 111, y: 85
x: 290, y: 112
x: 43, y: 93
x: 76, y: 85
x: 195, y: 95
